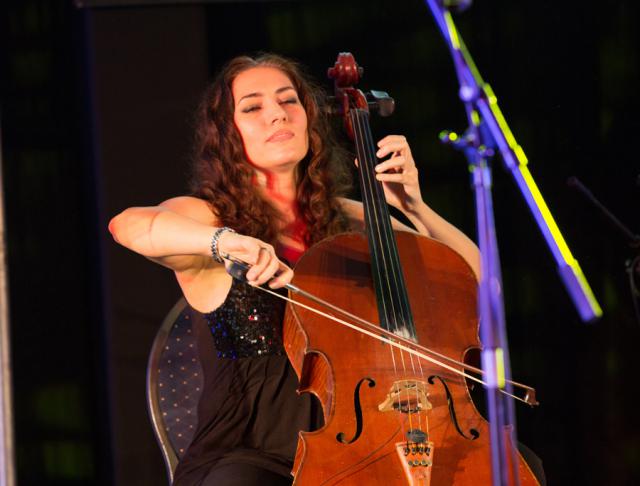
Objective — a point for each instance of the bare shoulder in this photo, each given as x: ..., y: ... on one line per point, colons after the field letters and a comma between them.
x: 191, y: 207
x: 354, y: 210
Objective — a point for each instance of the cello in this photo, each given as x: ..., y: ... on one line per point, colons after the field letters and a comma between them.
x: 391, y: 416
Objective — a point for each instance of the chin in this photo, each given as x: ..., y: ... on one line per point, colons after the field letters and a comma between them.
x: 290, y: 157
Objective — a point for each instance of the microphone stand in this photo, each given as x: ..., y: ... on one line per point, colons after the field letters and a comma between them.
x: 7, y: 443
x: 487, y: 133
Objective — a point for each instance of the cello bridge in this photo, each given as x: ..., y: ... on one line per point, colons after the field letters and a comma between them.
x: 406, y: 396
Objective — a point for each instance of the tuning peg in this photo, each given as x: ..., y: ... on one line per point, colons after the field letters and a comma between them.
x: 381, y: 102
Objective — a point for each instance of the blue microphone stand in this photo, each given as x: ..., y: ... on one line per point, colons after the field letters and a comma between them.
x: 487, y: 134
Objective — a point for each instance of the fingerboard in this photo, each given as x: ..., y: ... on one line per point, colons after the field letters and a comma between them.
x: 391, y: 291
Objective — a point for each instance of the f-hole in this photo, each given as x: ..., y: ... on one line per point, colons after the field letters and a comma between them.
x: 340, y: 437
x: 474, y: 434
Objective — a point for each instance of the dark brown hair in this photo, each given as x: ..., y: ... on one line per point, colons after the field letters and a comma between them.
x: 224, y: 177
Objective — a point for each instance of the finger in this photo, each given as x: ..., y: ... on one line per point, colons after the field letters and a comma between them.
x: 393, y: 163
x: 283, y: 278
x: 269, y: 270
x: 261, y: 256
x: 355, y: 161
x: 391, y: 138
x: 393, y: 146
x: 391, y: 177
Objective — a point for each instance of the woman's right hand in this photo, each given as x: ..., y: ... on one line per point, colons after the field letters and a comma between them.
x: 265, y: 265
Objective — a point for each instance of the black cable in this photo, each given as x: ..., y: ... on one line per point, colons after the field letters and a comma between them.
x: 635, y: 293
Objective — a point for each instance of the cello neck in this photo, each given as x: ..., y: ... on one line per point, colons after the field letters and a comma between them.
x: 390, y: 288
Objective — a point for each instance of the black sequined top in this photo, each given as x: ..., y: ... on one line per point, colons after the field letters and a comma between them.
x: 249, y: 411
x: 248, y: 323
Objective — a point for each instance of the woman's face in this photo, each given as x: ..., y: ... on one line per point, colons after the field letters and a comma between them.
x: 270, y: 118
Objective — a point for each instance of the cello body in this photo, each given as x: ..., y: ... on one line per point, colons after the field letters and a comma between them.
x: 341, y: 366
x: 391, y: 417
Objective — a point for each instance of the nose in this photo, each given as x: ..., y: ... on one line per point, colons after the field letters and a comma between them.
x: 276, y: 113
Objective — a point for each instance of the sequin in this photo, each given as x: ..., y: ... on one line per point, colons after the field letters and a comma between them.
x: 247, y: 324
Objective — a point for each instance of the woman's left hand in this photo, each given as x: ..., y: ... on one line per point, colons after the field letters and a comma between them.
x: 398, y: 174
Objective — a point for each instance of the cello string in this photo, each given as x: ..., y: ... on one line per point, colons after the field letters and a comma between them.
x: 422, y: 378
x: 407, y: 314
x: 385, y: 235
x: 359, y: 123
x: 393, y: 275
x: 396, y: 344
x: 376, y: 329
x: 374, y: 220
x: 399, y: 296
x: 391, y: 336
x: 396, y: 273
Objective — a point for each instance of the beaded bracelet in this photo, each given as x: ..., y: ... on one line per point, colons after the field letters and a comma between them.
x: 214, y: 243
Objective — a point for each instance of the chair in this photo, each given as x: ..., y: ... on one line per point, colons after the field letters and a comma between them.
x: 174, y: 384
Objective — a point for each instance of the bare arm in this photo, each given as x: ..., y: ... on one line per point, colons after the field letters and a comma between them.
x: 399, y: 177
x: 178, y: 234
x: 427, y: 223
x: 430, y: 223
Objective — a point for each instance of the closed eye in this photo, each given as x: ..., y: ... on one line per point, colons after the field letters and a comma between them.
x: 250, y: 108
x: 257, y: 107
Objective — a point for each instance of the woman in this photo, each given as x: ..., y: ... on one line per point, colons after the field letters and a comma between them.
x: 267, y: 184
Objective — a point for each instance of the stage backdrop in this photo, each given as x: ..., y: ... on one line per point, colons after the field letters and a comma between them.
x: 97, y: 116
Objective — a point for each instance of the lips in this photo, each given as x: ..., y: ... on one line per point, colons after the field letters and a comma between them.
x: 281, y: 136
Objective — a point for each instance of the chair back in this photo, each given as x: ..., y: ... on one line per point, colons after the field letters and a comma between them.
x: 174, y: 384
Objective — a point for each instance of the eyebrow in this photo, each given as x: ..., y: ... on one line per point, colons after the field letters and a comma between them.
x: 258, y: 94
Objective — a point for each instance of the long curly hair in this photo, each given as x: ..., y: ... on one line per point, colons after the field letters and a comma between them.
x: 224, y: 178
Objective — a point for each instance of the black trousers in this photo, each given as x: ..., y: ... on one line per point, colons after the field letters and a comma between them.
x: 237, y: 474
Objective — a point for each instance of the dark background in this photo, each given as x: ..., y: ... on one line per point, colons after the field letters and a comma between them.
x: 97, y: 116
